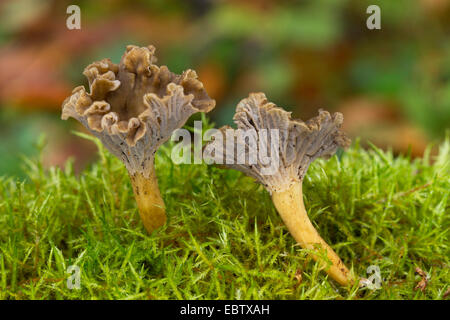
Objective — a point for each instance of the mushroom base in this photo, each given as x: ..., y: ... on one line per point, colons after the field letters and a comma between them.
x: 289, y: 204
x: 149, y: 201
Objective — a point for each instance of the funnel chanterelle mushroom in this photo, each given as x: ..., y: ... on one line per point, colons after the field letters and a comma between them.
x: 133, y: 108
x: 299, y: 144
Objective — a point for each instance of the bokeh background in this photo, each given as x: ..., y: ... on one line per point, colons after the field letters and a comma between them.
x: 392, y: 85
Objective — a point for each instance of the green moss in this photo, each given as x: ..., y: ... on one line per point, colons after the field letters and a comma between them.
x: 224, y: 238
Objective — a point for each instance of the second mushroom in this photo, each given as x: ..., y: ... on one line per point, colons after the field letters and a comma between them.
x: 133, y: 108
x: 293, y: 148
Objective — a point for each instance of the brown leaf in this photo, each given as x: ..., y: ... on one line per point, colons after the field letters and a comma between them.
x: 381, y: 122
x: 298, y: 277
x: 422, y: 283
x: 447, y: 293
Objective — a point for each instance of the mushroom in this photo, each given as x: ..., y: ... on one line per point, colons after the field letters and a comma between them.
x: 133, y: 108
x: 292, y: 147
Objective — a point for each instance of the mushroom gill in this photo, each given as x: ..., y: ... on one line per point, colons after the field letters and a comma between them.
x: 133, y: 108
x: 292, y: 148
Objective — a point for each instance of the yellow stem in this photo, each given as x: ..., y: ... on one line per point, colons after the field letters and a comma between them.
x: 290, y: 206
x: 149, y: 201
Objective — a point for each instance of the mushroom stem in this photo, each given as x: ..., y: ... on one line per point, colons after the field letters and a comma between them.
x: 289, y: 204
x: 148, y: 198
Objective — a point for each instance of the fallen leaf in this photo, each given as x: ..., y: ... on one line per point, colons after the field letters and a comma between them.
x: 422, y: 283
x: 447, y: 293
x: 298, y: 277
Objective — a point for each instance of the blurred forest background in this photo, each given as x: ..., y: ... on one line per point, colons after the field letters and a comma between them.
x: 392, y: 85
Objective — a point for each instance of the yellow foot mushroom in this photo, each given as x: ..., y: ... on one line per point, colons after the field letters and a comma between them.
x: 133, y: 108
x: 268, y: 135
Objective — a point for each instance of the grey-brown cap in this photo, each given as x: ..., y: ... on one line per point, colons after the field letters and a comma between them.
x: 134, y: 107
x: 294, y: 146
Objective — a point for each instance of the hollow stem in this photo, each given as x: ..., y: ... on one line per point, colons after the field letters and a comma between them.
x: 290, y: 206
x: 149, y: 201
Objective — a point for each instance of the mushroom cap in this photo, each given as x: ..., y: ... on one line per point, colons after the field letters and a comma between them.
x: 291, y: 148
x: 134, y: 107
